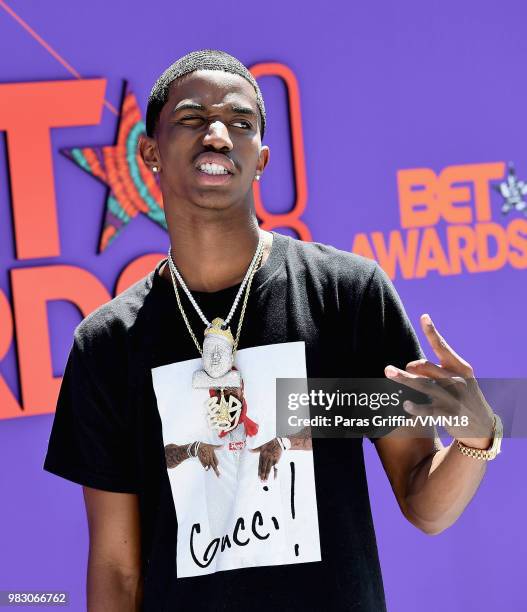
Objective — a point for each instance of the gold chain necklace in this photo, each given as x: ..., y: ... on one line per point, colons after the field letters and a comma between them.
x: 242, y: 314
x: 217, y: 356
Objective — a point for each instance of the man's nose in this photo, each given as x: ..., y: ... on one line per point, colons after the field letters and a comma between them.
x: 217, y: 136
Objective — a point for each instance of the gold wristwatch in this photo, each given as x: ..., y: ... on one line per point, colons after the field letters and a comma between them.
x: 490, y: 453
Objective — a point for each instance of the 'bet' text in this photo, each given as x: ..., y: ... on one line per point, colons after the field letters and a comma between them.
x: 446, y: 225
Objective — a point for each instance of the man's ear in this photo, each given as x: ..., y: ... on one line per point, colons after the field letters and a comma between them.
x: 149, y: 152
x: 263, y: 159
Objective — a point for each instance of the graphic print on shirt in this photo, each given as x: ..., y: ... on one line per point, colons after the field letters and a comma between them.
x: 235, y: 520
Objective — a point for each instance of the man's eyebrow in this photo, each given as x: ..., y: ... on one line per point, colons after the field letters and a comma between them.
x: 242, y: 110
x: 234, y: 108
x: 189, y: 106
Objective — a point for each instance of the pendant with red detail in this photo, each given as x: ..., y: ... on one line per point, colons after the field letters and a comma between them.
x: 226, y: 409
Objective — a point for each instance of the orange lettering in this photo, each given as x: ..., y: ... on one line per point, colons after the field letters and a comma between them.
x: 397, y: 252
x: 32, y: 289
x: 517, y: 234
x: 29, y: 110
x: 136, y: 270
x: 481, y: 175
x: 9, y: 407
x: 6, y: 326
x: 487, y: 262
x: 450, y: 195
x: 431, y: 255
x: 461, y: 251
x: 290, y: 219
x: 361, y: 246
x: 418, y: 204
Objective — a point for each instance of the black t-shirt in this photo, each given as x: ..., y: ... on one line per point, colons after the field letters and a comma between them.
x: 304, y: 540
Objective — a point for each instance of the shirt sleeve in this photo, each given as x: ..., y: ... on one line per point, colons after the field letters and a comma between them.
x: 385, y: 335
x: 90, y: 441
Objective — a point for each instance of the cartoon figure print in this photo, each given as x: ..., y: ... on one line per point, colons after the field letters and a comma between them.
x: 243, y: 496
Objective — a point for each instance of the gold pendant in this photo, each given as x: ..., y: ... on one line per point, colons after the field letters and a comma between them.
x: 223, y: 415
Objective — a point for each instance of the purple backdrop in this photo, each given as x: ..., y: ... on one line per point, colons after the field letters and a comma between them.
x: 384, y: 86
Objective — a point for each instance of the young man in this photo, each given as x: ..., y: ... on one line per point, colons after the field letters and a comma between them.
x: 166, y: 414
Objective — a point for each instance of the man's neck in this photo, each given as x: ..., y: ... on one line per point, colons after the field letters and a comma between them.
x: 211, y: 258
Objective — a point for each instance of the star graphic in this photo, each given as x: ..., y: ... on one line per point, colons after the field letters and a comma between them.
x: 513, y: 192
x: 133, y: 189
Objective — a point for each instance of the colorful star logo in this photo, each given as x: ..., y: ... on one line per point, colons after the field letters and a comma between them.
x: 133, y: 187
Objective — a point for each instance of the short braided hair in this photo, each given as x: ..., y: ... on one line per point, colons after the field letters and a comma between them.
x: 205, y: 59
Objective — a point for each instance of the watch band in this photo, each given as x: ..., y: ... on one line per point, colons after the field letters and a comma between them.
x: 492, y: 452
x: 285, y: 443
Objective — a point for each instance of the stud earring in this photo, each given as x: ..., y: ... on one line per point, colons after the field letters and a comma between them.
x: 257, y: 177
x: 155, y: 169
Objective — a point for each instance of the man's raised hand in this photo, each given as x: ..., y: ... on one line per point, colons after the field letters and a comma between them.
x: 452, y: 388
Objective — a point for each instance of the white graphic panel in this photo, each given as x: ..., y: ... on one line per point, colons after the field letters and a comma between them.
x: 235, y: 520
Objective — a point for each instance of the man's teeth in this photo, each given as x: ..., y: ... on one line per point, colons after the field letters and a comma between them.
x: 213, y: 169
